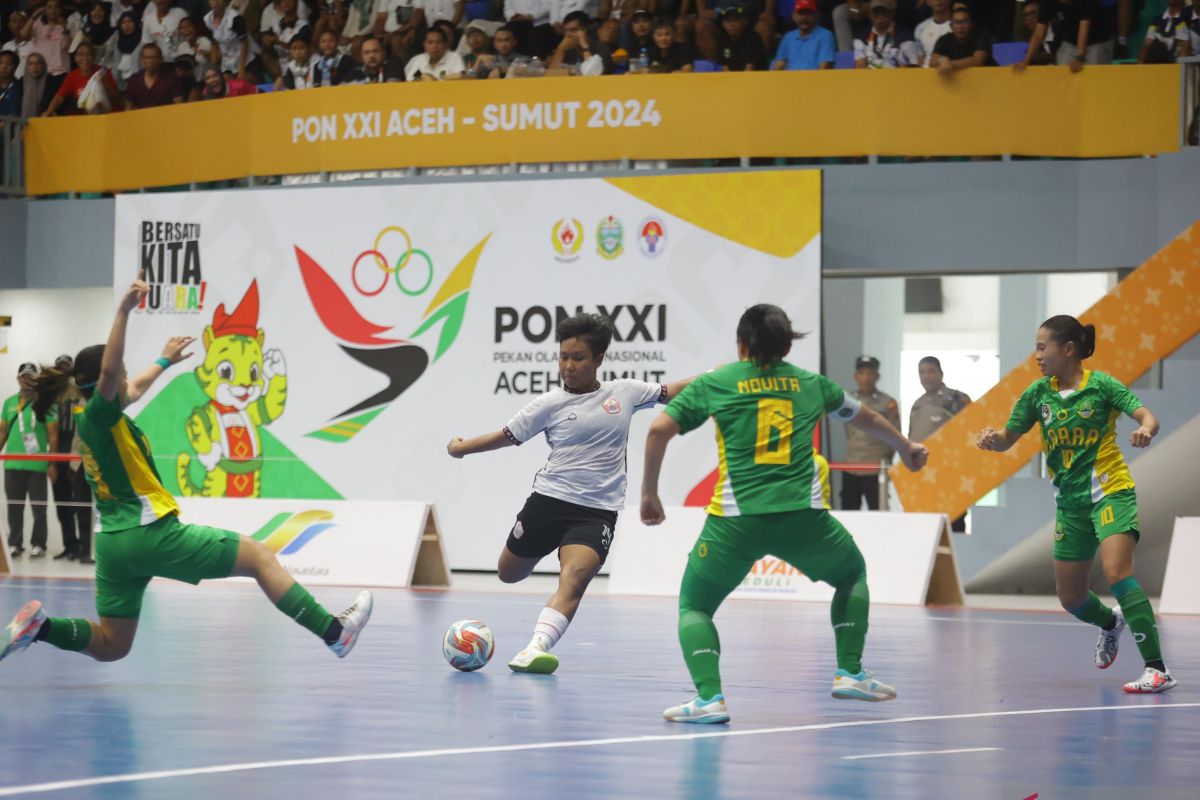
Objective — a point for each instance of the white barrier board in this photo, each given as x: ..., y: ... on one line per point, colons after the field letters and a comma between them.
x: 330, y: 542
x: 910, y: 559
x: 1181, y: 591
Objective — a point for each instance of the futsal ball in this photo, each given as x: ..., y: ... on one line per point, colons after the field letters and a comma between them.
x: 468, y: 645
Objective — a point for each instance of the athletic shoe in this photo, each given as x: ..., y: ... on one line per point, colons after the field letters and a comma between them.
x: 69, y: 554
x: 534, y: 662
x: 37, y: 552
x: 1151, y: 682
x: 1109, y: 641
x: 701, y: 711
x: 862, y: 686
x: 24, y: 627
x: 87, y: 560
x: 16, y: 552
x: 353, y: 620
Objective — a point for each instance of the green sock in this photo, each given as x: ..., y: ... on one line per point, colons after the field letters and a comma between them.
x: 1139, y: 616
x: 701, y: 651
x: 1094, y: 612
x: 849, y: 612
x: 305, y: 610
x: 66, y: 633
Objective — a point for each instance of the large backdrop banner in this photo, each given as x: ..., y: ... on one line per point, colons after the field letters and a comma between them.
x: 346, y: 334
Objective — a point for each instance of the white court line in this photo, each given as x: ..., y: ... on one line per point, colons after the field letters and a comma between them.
x: 921, y: 753
x: 138, y: 777
x: 978, y: 621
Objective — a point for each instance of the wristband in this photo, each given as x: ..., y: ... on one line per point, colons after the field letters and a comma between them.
x: 163, y: 362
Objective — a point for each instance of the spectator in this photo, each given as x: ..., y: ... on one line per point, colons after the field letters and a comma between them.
x: 27, y: 479
x: 160, y: 24
x: 98, y: 29
x: 862, y: 448
x: 577, y: 51
x: 122, y: 7
x: 195, y: 45
x: 505, y: 45
x: 360, y: 25
x: 963, y: 47
x: 276, y: 10
x: 124, y: 55
x: 72, y: 498
x: 608, y: 33
x: 530, y: 19
x: 739, y: 49
x: 851, y: 20
x: 152, y: 87
x: 808, y: 46
x: 21, y: 42
x: 934, y: 409
x: 438, y: 62
x: 887, y: 45
x: 10, y: 87
x: 299, y: 69
x: 398, y: 22
x: 216, y: 85
x: 935, y: 27
x: 331, y: 15
x: 38, y: 88
x: 1189, y: 35
x: 1081, y: 29
x: 639, y: 40
x: 1163, y: 42
x: 108, y: 96
x: 233, y: 48
x: 375, y: 68
x: 332, y: 67
x: 185, y: 74
x: 480, y: 46
x: 1044, y: 54
x: 49, y: 32
x: 276, y: 42
x: 669, y: 55
x: 450, y: 10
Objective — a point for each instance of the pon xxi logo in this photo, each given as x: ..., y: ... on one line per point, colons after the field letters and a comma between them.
x: 287, y: 533
x: 410, y: 272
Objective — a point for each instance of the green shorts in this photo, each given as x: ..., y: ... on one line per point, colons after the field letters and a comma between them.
x: 127, y: 560
x: 1079, y: 531
x: 811, y: 540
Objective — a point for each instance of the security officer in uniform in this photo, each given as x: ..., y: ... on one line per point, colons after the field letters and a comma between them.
x: 861, y: 447
x: 935, y: 408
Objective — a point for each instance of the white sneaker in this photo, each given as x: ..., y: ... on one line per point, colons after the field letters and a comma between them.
x: 37, y: 552
x: 1109, y: 641
x: 700, y: 711
x: 534, y: 661
x: 862, y: 686
x: 1151, y: 682
x: 353, y: 620
x: 24, y: 627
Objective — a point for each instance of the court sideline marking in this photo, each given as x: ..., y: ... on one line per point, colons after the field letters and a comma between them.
x: 922, y: 753
x: 137, y: 777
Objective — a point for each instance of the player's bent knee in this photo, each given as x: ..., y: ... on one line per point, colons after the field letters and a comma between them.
x: 1072, y: 603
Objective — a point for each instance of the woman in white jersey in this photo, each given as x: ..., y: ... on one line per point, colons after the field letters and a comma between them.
x: 576, y: 496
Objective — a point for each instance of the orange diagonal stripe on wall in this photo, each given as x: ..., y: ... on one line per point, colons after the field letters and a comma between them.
x: 1144, y: 319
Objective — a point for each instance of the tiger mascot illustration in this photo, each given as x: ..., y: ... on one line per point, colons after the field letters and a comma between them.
x: 247, y: 389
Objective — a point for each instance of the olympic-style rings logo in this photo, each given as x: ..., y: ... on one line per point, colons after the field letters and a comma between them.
x: 376, y: 254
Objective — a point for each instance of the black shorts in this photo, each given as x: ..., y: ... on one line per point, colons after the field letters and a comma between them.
x: 546, y: 524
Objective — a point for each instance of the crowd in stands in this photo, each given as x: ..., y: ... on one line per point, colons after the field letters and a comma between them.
x: 81, y: 56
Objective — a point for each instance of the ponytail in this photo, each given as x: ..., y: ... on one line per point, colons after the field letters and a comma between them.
x: 53, y: 385
x: 1065, y: 328
x: 767, y: 333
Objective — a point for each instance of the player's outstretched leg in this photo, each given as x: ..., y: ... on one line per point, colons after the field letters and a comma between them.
x: 108, y: 640
x: 699, y: 599
x: 849, y: 615
x: 1116, y: 555
x: 578, y: 565
x: 340, y: 633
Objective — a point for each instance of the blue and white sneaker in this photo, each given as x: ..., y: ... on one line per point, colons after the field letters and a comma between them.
x: 698, y: 710
x: 1107, y: 644
x: 23, y: 629
x: 862, y: 686
x: 353, y: 620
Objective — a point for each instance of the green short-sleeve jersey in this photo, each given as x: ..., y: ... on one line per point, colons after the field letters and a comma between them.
x: 764, y: 418
x: 26, y: 434
x: 1079, y: 435
x: 116, y: 458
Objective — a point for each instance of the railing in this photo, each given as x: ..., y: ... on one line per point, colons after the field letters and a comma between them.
x: 12, y: 156
x: 1190, y: 100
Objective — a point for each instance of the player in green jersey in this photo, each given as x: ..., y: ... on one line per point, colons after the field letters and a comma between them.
x: 1097, y: 508
x: 140, y: 535
x: 767, y: 501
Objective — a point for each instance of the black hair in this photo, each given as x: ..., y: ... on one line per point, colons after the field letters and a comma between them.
x: 436, y: 31
x: 504, y: 29
x: 15, y: 59
x: 595, y: 330
x: 54, y: 384
x: 1065, y: 328
x: 931, y: 360
x: 578, y: 16
x: 147, y: 44
x: 767, y: 333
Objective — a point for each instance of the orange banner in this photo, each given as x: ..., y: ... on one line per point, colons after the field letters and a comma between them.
x: 1145, y: 318
x: 1100, y: 112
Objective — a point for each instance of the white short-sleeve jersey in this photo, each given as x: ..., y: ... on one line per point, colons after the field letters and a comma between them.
x: 588, y: 434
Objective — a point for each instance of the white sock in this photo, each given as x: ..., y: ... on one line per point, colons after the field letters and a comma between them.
x: 550, y: 627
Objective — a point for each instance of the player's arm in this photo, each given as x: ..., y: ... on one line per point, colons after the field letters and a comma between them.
x: 496, y: 440
x: 1148, y: 430
x: 876, y: 425
x: 112, y: 364
x: 173, y: 352
x: 675, y: 387
x: 997, y: 441
x: 662, y: 431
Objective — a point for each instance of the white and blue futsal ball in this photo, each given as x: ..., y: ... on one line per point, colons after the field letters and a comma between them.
x: 468, y: 645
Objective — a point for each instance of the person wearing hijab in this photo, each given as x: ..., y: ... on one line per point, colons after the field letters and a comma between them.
x: 37, y: 87
x: 124, y: 58
x: 98, y: 29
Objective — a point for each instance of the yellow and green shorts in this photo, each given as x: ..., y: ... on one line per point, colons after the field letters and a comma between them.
x: 1079, y: 531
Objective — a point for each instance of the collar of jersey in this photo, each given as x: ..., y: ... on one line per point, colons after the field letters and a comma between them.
x: 1087, y: 376
x: 569, y: 390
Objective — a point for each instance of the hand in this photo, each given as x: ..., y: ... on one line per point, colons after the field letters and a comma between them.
x: 134, y: 295
x: 944, y: 67
x: 989, y: 439
x: 652, y: 510
x: 273, y: 364
x: 173, y: 350
x: 455, y: 448
x: 1141, y: 437
x: 583, y: 40
x: 915, y: 457
x: 1076, y: 65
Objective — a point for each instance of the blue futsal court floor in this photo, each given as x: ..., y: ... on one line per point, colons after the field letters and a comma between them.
x: 224, y: 698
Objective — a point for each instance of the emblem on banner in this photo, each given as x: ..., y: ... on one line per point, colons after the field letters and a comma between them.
x: 610, y: 238
x: 567, y: 238
x: 652, y: 237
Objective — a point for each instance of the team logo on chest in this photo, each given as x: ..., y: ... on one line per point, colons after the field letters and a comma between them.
x: 1046, y: 413
x: 1062, y: 415
x: 612, y: 405
x: 1085, y: 410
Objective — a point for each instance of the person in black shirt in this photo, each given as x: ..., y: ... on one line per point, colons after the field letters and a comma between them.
x: 739, y: 49
x: 1081, y: 30
x: 965, y: 46
x: 668, y: 55
x: 578, y: 47
x: 72, y: 497
x: 375, y: 67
